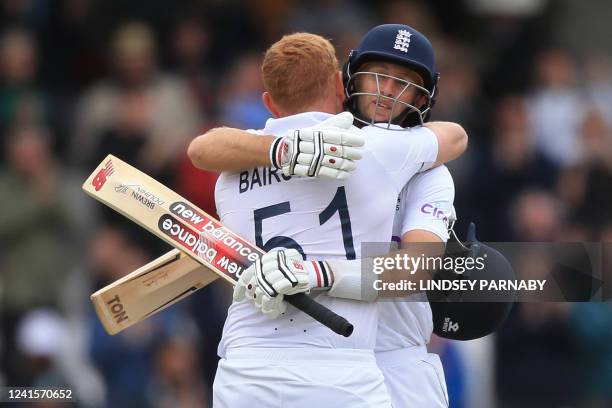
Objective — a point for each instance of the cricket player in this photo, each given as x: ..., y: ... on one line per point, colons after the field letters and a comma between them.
x: 256, y: 337
x: 414, y: 377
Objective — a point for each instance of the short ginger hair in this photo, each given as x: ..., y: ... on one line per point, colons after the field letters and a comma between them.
x: 298, y: 70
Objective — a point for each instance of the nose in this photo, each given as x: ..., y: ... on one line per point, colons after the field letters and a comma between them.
x: 387, y: 86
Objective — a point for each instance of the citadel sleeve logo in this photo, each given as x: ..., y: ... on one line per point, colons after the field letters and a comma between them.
x: 435, y: 211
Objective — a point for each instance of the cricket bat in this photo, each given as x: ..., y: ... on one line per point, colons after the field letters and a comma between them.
x: 149, y: 289
x: 181, y: 224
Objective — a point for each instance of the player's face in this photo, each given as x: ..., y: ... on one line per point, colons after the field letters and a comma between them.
x: 392, y: 82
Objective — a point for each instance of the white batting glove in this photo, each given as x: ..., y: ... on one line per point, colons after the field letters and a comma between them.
x: 277, y: 274
x: 247, y: 288
x: 328, y: 150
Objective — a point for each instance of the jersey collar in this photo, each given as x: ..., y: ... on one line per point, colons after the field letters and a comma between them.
x: 281, y: 125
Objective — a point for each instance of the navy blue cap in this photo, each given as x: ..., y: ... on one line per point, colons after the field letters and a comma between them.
x: 400, y: 44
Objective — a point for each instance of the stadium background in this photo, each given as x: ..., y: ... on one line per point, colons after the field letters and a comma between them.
x: 530, y: 80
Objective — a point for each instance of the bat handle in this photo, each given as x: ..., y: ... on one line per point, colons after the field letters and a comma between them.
x: 321, y: 314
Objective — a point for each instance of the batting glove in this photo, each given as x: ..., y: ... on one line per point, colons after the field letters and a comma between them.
x: 328, y: 150
x: 277, y: 274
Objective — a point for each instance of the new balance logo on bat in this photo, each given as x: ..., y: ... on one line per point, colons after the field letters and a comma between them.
x: 187, y: 213
x: 187, y: 237
x: 208, y: 225
x: 100, y: 178
x: 205, y: 247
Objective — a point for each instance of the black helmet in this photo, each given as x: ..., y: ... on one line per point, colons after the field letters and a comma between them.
x: 464, y: 315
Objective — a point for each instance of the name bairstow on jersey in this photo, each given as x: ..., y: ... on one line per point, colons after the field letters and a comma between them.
x: 260, y: 176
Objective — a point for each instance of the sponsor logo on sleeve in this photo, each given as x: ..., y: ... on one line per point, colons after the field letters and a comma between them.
x: 434, y: 210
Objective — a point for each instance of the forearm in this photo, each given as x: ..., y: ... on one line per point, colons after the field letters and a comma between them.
x: 371, y: 278
x: 420, y: 246
x: 229, y: 149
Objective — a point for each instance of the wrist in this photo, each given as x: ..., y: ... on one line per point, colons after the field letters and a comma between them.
x: 276, y: 152
x: 353, y: 279
x: 321, y: 275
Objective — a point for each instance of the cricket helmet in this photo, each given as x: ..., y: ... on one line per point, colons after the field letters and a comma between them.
x: 471, y: 314
x: 403, y: 45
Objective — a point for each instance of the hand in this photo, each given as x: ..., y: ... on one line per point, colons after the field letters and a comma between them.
x: 277, y: 274
x: 327, y: 150
x: 247, y: 288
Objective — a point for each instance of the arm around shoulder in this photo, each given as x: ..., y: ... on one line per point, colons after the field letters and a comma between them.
x: 229, y: 149
x: 452, y: 140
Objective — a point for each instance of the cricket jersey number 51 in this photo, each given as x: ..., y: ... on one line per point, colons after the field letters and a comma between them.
x: 337, y: 204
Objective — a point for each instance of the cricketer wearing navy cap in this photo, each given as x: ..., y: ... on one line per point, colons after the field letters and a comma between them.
x: 391, y: 77
x: 394, y: 92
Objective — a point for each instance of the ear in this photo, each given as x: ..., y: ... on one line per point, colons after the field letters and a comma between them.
x: 421, y: 101
x: 269, y: 104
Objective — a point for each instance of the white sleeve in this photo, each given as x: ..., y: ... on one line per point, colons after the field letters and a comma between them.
x: 403, y: 152
x: 428, y: 203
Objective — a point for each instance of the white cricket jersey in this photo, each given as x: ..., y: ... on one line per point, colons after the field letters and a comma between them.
x: 324, y: 219
x: 426, y: 203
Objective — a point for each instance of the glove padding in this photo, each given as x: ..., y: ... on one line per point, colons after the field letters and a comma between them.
x: 277, y: 274
x: 328, y: 150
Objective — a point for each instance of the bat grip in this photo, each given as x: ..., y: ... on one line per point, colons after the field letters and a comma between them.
x: 320, y: 313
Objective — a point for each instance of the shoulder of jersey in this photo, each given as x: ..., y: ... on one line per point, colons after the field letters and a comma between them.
x: 439, y: 174
x: 371, y: 129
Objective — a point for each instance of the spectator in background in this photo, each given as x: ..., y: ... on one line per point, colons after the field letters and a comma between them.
x: 343, y: 22
x: 460, y: 84
x: 241, y: 95
x: 125, y: 360
x: 598, y: 73
x: 330, y: 17
x: 508, y: 166
x: 36, y: 229
x: 198, y: 186
x: 177, y: 380
x: 40, y: 336
x: 591, y: 324
x: 215, y: 298
x: 557, y: 107
x: 191, y: 40
x: 72, y: 47
x: 22, y: 103
x: 459, y: 99
x: 414, y: 14
x: 537, y: 364
x: 191, y: 59
x: 141, y: 111
x: 586, y: 186
x: 536, y: 216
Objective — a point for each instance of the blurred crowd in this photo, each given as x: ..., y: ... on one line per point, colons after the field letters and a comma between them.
x: 83, y: 78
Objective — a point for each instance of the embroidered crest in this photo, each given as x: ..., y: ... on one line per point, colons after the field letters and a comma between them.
x: 402, y: 40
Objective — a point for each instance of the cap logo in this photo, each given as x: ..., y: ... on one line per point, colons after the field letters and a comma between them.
x: 402, y: 40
